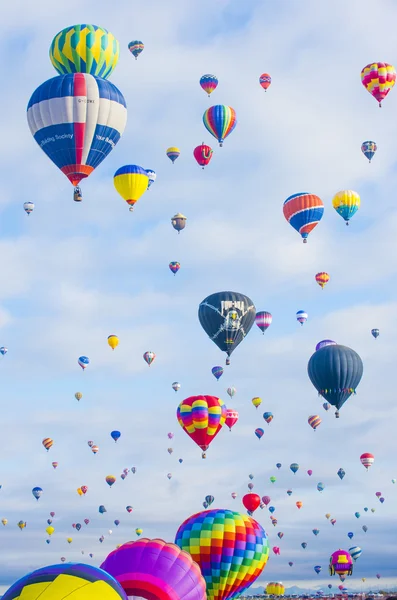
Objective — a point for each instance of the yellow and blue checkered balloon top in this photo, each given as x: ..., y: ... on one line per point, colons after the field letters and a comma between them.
x: 85, y: 49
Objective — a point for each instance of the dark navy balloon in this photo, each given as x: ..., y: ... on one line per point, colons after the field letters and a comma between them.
x: 227, y: 317
x: 335, y: 371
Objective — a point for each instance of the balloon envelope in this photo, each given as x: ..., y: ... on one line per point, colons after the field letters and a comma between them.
x: 153, y: 566
x: 239, y: 550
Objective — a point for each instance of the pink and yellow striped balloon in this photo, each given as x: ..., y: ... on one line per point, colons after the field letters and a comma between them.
x: 202, y: 417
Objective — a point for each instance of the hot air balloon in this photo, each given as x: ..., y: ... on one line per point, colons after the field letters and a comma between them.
x: 151, y: 177
x: 314, y: 421
x: 263, y: 320
x: 78, y: 396
x: 115, y: 435
x: 217, y: 372
x: 110, y: 480
x: 209, y: 83
x: 322, y: 279
x: 94, y: 449
x: 289, y: 492
x: 174, y: 267
x: 279, y: 465
x: 346, y: 204
x: 271, y: 509
x: 3, y: 350
x: 78, y: 141
x: 320, y: 486
x: 350, y: 535
x: 259, y: 432
x: 231, y: 391
x: 164, y: 569
x: 136, y: 47
x: 378, y: 79
x: 304, y: 545
x: 202, y: 418
x: 227, y: 317
x: 220, y: 120
x: 317, y: 568
x: 256, y: 401
x: 268, y: 416
x: 265, y: 80
x: 303, y: 212
x: 341, y: 563
x: 355, y: 552
x: 364, y: 528
x: 335, y: 371
x: 316, y: 531
x: 37, y: 492
x: 54, y: 464
x: 149, y: 357
x: 203, y: 155
x: 85, y: 49
x: 276, y: 550
x: 176, y: 386
x: 83, y: 361
x: 324, y: 343
x: 299, y: 504
x: 367, y: 460
x: 341, y: 473
x: 131, y: 182
x: 375, y: 333
x: 310, y: 472
x: 50, y: 530
x: 28, y: 207
x: 368, y: 149
x: 73, y: 581
x: 266, y: 500
x: 272, y: 479
x: 301, y: 316
x: 47, y: 443
x: 294, y: 467
x: 333, y: 521
x: 178, y: 222
x: 231, y: 418
x: 233, y: 532
x: 113, y: 341
x: 173, y: 152
x: 275, y: 589
x: 326, y: 406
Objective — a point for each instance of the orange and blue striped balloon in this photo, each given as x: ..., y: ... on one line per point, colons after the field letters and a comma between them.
x: 303, y: 212
x: 220, y: 120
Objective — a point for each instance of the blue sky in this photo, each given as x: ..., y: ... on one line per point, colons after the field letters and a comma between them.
x: 73, y: 274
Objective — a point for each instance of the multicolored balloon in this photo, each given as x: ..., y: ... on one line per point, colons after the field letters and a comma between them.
x: 303, y: 212
x: 174, y: 267
x: 367, y: 460
x: 324, y: 343
x: 368, y: 149
x: 346, y: 203
x: 83, y: 361
x: 259, y: 432
x: 217, y: 372
x: 263, y: 320
x: 28, y: 207
x: 85, y: 49
x: 378, y: 79
x: 322, y: 279
x: 341, y: 563
x: 131, y: 182
x: 241, y: 548
x: 302, y: 316
x: 164, y: 569
x: 265, y: 81
x: 151, y: 176
x: 79, y: 144
x: 231, y: 418
x: 173, y: 152
x: 149, y: 357
x: 209, y: 83
x: 136, y: 47
x: 220, y: 120
x: 268, y: 416
x: 202, y: 418
x: 314, y: 421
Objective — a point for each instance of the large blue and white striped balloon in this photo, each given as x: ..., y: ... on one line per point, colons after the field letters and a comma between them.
x: 77, y: 119
x: 355, y: 552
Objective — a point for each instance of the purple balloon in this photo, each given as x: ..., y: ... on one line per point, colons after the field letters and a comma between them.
x: 156, y: 569
x: 324, y: 343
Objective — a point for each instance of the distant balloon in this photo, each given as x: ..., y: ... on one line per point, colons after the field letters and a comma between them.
x: 268, y: 416
x: 355, y: 552
x: 326, y: 406
x: 115, y: 435
x: 178, y: 222
x: 294, y: 467
x: 113, y: 341
x: 303, y: 212
x: 322, y: 279
x: 251, y: 502
x: 28, y: 207
x: 176, y: 386
x: 314, y: 421
x: 256, y: 401
x: 83, y: 361
x: 174, y: 267
x: 131, y: 182
x: 341, y: 473
x: 3, y: 350
x: 259, y: 433
x: 231, y: 391
x: 217, y: 372
x: 378, y: 79
x: 301, y: 316
x: 368, y: 149
x: 367, y: 460
x: 263, y: 320
x: 203, y: 155
x: 209, y: 83
x: 149, y: 357
x: 220, y: 120
x: 375, y: 333
x: 346, y: 203
x: 78, y: 396
x: 320, y: 486
x: 231, y: 418
x: 265, y: 80
x: 47, y: 443
x: 202, y: 417
x: 37, y: 492
x: 324, y: 343
x: 136, y: 47
x: 151, y: 176
x: 173, y: 152
x: 110, y: 480
x: 310, y: 472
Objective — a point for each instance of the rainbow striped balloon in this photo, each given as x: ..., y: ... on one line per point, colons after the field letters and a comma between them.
x: 220, y: 120
x: 378, y: 79
x: 303, y: 212
x: 202, y: 417
x: 231, y: 549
